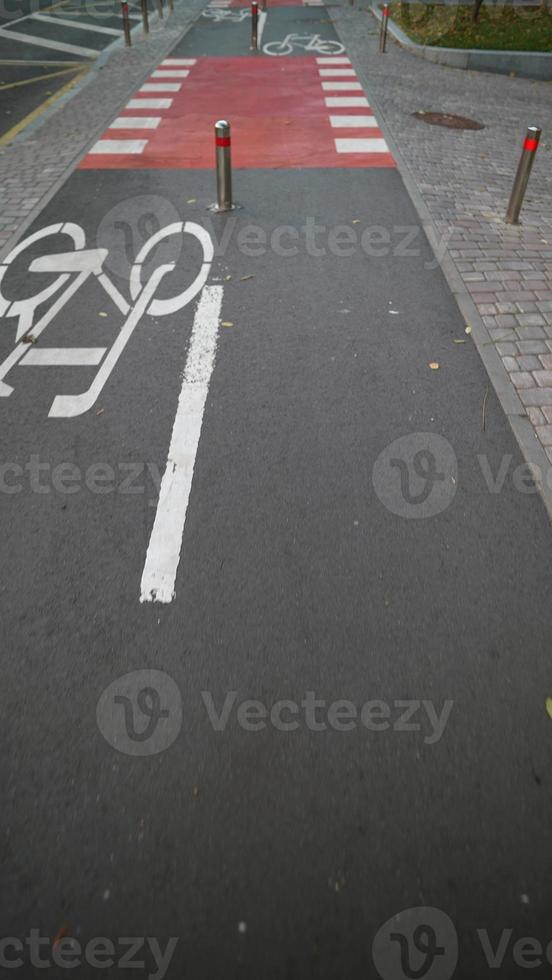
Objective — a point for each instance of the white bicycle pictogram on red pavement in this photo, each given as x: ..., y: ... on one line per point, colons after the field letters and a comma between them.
x: 74, y: 268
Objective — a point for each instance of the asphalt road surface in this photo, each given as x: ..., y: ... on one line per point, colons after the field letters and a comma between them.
x: 295, y: 546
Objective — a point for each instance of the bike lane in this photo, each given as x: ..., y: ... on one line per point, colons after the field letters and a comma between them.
x: 305, y: 559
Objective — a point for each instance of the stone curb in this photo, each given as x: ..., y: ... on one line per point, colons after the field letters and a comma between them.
x: 526, y: 64
x: 515, y: 412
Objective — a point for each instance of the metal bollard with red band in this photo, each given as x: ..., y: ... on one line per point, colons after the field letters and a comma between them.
x: 126, y: 23
x: 145, y: 16
x: 254, y: 25
x: 525, y: 165
x: 383, y: 28
x: 224, y: 166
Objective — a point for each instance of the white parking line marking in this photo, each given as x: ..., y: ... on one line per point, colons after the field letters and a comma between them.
x: 361, y: 146
x: 162, y: 87
x: 347, y: 102
x: 342, y: 86
x: 150, y: 104
x: 333, y: 61
x: 353, y: 122
x: 172, y: 73
x: 334, y: 72
x: 81, y: 26
x: 119, y: 146
x: 163, y: 554
x: 63, y: 356
x: 135, y: 122
x: 179, y: 61
x: 41, y: 42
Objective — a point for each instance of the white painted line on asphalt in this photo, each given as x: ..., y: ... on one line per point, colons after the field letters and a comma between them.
x: 361, y: 146
x: 81, y: 26
x: 334, y: 72
x: 135, y: 122
x: 150, y: 104
x: 342, y: 86
x: 162, y: 87
x: 179, y: 61
x: 163, y: 554
x: 261, y: 26
x: 333, y: 61
x: 353, y: 122
x: 41, y: 42
x: 119, y: 146
x: 63, y: 356
x: 169, y: 73
x: 347, y: 102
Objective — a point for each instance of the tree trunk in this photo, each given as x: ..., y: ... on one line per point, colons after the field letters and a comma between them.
x: 477, y: 4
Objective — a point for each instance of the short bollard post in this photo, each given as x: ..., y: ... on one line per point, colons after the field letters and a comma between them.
x: 145, y: 16
x: 171, y: 6
x: 254, y: 25
x: 383, y: 28
x: 525, y: 165
x: 160, y: 8
x: 224, y: 166
x: 126, y: 23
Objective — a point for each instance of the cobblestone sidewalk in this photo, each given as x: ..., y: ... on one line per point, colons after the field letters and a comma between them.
x: 32, y: 167
x: 465, y: 178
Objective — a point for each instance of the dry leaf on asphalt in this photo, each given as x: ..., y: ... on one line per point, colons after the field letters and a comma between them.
x: 434, y: 365
x: 456, y: 341
x: 227, y: 323
x: 100, y: 411
x: 228, y: 278
x: 467, y: 330
x: 549, y: 706
x: 102, y: 314
x: 191, y: 200
x: 244, y: 278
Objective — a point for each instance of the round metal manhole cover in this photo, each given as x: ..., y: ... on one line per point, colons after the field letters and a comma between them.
x: 448, y: 120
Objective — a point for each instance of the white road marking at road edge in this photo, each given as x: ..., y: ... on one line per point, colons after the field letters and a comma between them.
x: 334, y: 72
x: 169, y: 73
x: 163, y: 554
x: 342, y: 86
x: 179, y: 61
x: 361, y: 146
x: 333, y: 61
x: 347, y: 102
x: 135, y: 122
x: 353, y: 122
x: 163, y: 87
x: 119, y: 146
x: 150, y: 104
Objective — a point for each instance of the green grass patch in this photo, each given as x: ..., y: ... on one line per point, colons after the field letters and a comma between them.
x: 502, y: 28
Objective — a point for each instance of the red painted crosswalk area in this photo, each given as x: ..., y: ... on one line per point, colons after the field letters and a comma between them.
x: 285, y: 113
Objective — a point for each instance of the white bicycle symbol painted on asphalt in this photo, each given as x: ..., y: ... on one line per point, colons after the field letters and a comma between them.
x: 308, y: 42
x: 74, y: 268
x: 234, y: 16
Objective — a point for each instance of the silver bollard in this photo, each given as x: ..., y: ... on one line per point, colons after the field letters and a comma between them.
x: 525, y: 165
x: 254, y: 25
x: 126, y: 23
x: 383, y: 28
x: 224, y: 166
x: 145, y: 16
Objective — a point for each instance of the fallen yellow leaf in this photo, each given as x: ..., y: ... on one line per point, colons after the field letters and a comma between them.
x: 191, y: 200
x: 102, y: 314
x: 227, y: 323
x: 549, y: 706
x: 434, y: 365
x: 467, y: 330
